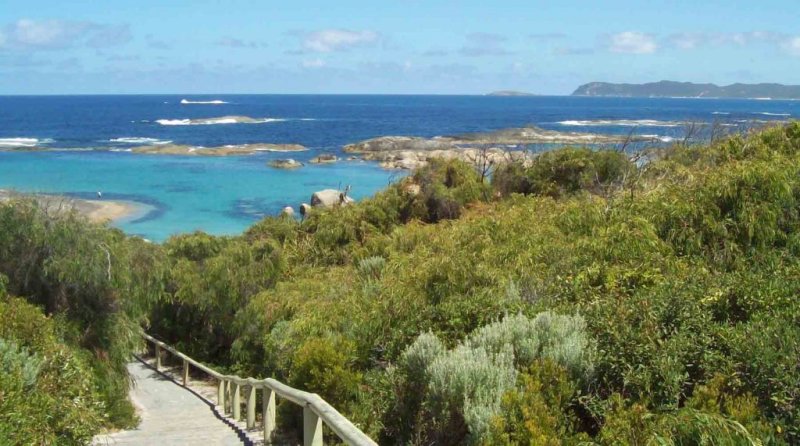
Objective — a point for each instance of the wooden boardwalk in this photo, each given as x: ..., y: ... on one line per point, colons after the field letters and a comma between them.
x: 172, y: 414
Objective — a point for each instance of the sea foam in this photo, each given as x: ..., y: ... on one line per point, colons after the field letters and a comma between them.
x: 23, y: 142
x: 138, y: 140
x: 221, y: 120
x: 620, y: 123
x: 773, y: 114
x: 214, y: 102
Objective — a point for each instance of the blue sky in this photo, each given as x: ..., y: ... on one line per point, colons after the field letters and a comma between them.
x: 389, y: 46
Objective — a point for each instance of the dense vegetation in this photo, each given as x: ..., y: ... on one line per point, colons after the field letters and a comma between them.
x: 580, y: 297
x: 87, y: 290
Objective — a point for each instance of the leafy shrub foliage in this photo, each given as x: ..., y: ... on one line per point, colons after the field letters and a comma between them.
x: 47, y: 389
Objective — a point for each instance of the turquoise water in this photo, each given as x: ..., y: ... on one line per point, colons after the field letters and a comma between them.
x: 86, y: 138
x: 182, y: 194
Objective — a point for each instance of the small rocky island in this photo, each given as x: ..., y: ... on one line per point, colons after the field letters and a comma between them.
x: 229, y: 150
x: 288, y: 163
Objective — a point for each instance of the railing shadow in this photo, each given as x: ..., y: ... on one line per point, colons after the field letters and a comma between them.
x: 163, y: 376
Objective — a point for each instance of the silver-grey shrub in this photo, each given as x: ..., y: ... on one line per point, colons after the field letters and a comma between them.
x: 471, y: 379
x: 560, y: 338
x: 16, y: 360
x: 420, y: 355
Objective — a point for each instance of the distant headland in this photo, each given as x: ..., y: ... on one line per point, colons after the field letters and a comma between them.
x: 690, y: 90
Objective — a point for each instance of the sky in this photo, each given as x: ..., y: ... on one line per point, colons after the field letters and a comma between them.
x: 389, y: 46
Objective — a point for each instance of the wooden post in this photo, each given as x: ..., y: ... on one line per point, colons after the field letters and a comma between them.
x: 158, y: 357
x: 312, y: 428
x: 221, y: 395
x: 185, y: 372
x: 237, y: 404
x: 268, y: 413
x: 251, y: 407
x: 228, y: 397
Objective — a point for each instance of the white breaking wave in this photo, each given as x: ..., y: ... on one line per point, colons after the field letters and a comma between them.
x: 773, y: 114
x: 213, y: 121
x: 139, y: 140
x: 23, y: 142
x: 621, y: 122
x: 720, y: 113
x: 214, y: 102
x: 120, y: 150
x: 660, y: 138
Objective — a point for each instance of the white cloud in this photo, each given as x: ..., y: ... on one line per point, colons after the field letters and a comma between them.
x: 792, y: 46
x: 632, y: 42
x: 28, y: 34
x: 313, y: 63
x: 328, y: 40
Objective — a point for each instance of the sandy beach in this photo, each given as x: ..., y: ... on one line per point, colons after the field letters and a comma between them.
x: 97, y: 211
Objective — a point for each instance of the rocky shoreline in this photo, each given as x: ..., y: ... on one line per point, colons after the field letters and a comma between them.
x: 408, y: 152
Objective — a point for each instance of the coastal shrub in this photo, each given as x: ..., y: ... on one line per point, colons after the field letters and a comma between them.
x: 211, y: 280
x: 370, y: 268
x: 464, y: 390
x: 634, y: 424
x: 446, y: 186
x: 538, y: 410
x: 48, y: 393
x: 562, y: 339
x: 99, y: 283
x: 564, y: 171
x: 455, y: 394
x: 323, y: 366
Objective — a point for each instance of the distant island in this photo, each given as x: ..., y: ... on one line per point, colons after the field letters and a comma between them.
x: 666, y: 89
x: 509, y: 93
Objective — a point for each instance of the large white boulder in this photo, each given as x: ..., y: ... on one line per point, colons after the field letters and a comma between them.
x: 329, y: 198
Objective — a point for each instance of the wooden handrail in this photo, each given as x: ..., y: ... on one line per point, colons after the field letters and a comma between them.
x: 315, y: 409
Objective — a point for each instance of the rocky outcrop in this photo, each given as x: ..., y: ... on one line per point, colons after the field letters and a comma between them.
x: 398, y: 143
x: 325, y: 158
x: 230, y: 150
x: 285, y: 164
x: 329, y: 198
x: 288, y: 211
x: 406, y: 152
x: 410, y: 159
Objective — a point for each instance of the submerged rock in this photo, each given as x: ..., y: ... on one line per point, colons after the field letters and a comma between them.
x: 285, y: 164
x: 325, y: 158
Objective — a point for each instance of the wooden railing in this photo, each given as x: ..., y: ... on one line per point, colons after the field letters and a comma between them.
x: 315, y: 409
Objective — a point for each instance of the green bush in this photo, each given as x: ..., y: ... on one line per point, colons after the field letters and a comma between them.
x: 565, y: 171
x: 97, y: 282
x: 48, y: 393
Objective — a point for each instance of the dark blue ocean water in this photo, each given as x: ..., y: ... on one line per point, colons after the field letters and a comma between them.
x: 86, y: 138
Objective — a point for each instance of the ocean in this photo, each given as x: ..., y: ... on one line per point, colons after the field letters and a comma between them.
x: 87, y: 141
